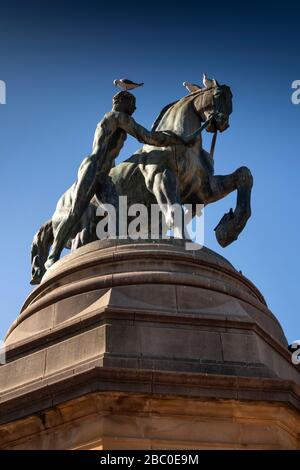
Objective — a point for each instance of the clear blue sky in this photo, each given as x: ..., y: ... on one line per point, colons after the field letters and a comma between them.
x: 58, y: 60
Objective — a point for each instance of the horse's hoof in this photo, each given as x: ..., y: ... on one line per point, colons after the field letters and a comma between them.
x: 225, y: 230
x: 35, y: 281
x: 224, y: 237
x: 36, y: 275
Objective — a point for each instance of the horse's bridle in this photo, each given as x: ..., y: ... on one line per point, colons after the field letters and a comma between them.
x: 214, y: 113
x: 213, y: 144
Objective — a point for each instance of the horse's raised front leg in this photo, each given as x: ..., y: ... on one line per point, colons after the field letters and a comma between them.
x: 232, y: 223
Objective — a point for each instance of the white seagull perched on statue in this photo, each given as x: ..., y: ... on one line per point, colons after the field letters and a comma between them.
x: 208, y: 82
x: 191, y: 87
x: 126, y: 84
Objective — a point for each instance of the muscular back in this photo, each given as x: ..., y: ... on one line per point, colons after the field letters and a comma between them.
x: 108, y: 140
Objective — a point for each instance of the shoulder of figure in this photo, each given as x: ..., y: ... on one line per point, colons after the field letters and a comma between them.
x: 123, y: 117
x: 107, y: 119
x: 109, y: 116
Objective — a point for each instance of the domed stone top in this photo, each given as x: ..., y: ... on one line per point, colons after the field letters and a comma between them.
x: 158, y: 306
x: 136, y: 258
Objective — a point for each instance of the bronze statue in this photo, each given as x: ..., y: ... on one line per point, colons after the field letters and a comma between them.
x: 93, y: 179
x: 171, y: 168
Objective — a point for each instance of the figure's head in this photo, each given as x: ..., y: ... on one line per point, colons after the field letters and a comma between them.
x: 125, y: 102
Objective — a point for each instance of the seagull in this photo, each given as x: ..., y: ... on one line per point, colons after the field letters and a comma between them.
x: 126, y: 84
x: 208, y: 82
x: 191, y: 87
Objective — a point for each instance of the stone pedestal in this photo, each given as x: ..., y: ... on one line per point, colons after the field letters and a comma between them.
x: 147, y: 346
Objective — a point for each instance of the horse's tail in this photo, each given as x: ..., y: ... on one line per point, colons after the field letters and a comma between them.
x: 40, y: 247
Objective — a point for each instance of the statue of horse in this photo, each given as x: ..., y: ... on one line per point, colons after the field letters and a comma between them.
x: 166, y: 176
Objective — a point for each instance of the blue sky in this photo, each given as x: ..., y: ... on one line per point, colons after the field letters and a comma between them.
x: 58, y: 60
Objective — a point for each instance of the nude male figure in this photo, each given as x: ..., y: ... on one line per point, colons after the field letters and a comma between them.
x: 110, y: 135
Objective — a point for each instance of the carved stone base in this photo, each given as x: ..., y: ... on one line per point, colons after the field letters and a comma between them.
x: 147, y: 345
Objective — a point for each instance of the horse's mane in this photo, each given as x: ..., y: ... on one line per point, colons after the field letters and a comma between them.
x: 159, y: 118
x: 161, y: 115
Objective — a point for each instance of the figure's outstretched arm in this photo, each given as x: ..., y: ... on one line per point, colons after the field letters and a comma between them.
x: 158, y: 138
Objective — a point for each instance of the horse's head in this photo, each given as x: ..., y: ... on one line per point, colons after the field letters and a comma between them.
x: 184, y: 116
x: 216, y: 100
